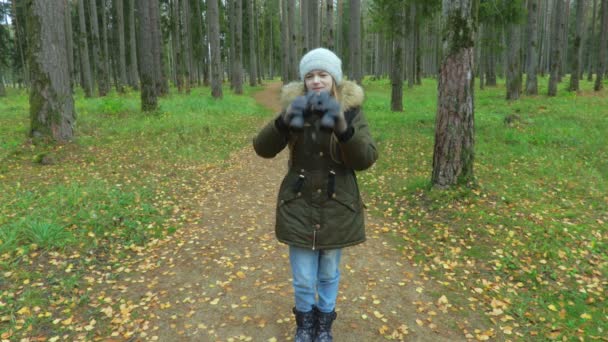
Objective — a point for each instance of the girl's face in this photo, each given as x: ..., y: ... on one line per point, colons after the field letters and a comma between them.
x: 318, y: 81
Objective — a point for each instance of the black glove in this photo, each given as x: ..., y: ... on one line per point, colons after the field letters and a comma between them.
x: 295, y: 113
x: 328, y: 107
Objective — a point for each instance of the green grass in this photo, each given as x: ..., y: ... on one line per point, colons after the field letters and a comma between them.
x: 532, y: 233
x: 531, y: 237
x: 126, y: 180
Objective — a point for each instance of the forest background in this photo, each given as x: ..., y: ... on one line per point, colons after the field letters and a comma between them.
x: 165, y: 86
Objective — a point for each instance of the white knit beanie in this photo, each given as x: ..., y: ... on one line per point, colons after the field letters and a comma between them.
x: 321, y: 59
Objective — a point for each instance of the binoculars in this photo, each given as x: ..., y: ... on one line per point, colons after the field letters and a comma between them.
x: 314, y: 103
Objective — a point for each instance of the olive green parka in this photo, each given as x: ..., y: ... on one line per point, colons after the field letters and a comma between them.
x: 319, y: 205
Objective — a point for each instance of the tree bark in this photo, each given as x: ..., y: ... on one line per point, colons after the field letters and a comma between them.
x: 214, y: 41
x: 238, y: 47
x: 98, y: 58
x: 454, y: 130
x: 306, y: 35
x: 513, y: 67
x: 284, y: 42
x: 591, y: 45
x: 133, y: 67
x: 160, y: 79
x: 293, y: 41
x: 2, y: 89
x: 492, y: 36
x: 411, y: 50
x: 184, y: 48
x: 314, y: 24
x: 556, y: 45
x: 396, y: 69
x: 253, y: 73
x: 69, y: 39
x: 120, y: 34
x: 565, y: 55
x: 51, y: 104
x: 20, y: 38
x: 104, y: 44
x: 329, y: 15
x: 578, y: 38
x: 397, y: 76
x: 532, y: 55
x: 84, y: 52
x: 149, y: 101
x: 199, y: 44
x: 339, y: 33
x: 355, y: 40
x: 601, y: 56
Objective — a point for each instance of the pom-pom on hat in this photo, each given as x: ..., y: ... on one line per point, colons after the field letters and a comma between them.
x: 321, y: 59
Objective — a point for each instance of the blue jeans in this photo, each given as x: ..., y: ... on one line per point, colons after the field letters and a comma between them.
x: 315, y: 273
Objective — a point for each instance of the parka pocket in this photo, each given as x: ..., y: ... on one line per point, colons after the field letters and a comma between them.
x: 291, y: 188
x: 345, y: 200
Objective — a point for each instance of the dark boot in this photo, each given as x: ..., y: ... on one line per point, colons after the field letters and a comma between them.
x: 324, y: 322
x: 306, y: 325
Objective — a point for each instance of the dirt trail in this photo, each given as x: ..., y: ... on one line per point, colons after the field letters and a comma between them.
x: 227, y: 278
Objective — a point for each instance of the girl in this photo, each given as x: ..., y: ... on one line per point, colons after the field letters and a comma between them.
x: 319, y: 208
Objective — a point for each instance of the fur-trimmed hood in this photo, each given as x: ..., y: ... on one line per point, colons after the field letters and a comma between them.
x: 350, y: 94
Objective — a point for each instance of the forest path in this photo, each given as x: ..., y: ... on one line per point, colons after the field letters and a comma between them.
x: 226, y: 278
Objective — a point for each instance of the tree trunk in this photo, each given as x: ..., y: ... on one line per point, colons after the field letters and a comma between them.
x: 293, y: 41
x: 339, y: 33
x: 184, y: 48
x: 160, y: 79
x: 565, y: 57
x: 411, y: 50
x: 133, y: 68
x: 104, y: 44
x: 120, y: 34
x: 601, y: 56
x: 481, y: 60
x: 578, y: 38
x: 271, y: 48
x: 355, y: 40
x: 454, y: 130
x: 329, y: 15
x: 213, y: 14
x: 149, y: 101
x: 591, y: 45
x: 305, y: 37
x: 397, y: 76
x: 201, y: 46
x: 176, y: 19
x: 2, y: 89
x: 69, y: 39
x: 205, y: 41
x: 492, y: 36
x: 396, y: 65
x: 253, y: 74
x: 418, y: 53
x: 238, y: 47
x: 20, y: 38
x: 98, y: 58
x: 284, y: 42
x: 314, y: 24
x: 259, y: 45
x: 556, y: 46
x: 51, y: 103
x: 513, y: 67
x: 84, y: 52
x: 532, y: 55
